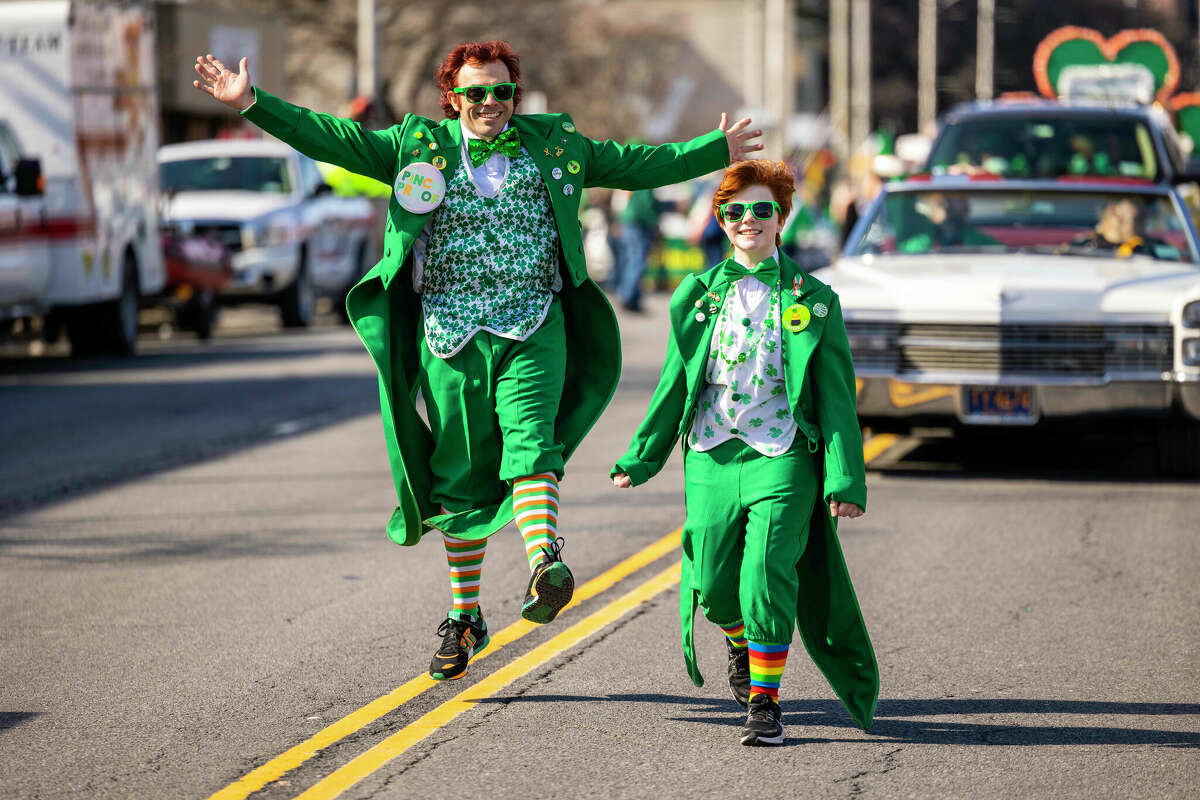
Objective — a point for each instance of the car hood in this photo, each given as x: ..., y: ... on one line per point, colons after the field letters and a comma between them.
x: 242, y: 206
x: 990, y: 288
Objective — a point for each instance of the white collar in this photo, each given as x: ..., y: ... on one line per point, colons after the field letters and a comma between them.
x: 467, y: 133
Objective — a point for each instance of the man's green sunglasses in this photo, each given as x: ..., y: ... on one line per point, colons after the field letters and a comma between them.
x: 477, y: 94
x: 736, y: 212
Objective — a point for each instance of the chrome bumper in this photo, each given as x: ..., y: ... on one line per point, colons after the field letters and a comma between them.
x: 888, y: 397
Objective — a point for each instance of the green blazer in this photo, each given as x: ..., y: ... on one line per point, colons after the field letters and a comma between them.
x: 386, y: 311
x: 819, y: 379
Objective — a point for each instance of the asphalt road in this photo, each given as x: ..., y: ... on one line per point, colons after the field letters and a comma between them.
x: 199, y: 598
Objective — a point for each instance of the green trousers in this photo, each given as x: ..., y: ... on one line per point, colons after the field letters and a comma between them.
x: 491, y: 407
x: 746, y: 529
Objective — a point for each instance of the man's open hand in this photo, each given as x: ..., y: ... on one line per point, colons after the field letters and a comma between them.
x: 231, y: 88
x: 738, y: 138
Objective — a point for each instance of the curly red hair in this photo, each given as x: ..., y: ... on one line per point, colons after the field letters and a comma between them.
x: 478, y: 53
x: 774, y: 175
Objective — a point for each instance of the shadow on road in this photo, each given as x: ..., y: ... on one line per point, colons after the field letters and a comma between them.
x: 893, y: 719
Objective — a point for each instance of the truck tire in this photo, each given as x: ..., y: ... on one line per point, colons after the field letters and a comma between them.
x: 1178, y: 448
x: 297, y: 302
x: 110, y: 327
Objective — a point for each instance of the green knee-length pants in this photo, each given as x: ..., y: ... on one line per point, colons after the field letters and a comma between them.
x: 491, y: 407
x: 746, y: 528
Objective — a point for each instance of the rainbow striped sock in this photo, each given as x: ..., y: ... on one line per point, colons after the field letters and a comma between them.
x: 766, y: 668
x: 736, y: 633
x: 465, y: 558
x: 535, y: 505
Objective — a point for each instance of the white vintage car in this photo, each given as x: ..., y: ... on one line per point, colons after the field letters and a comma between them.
x: 290, y: 236
x: 978, y: 301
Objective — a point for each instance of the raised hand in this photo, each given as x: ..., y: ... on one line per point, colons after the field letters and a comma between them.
x: 737, y: 137
x: 231, y: 88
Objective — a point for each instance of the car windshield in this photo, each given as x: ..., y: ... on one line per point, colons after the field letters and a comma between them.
x: 224, y: 173
x: 1069, y: 223
x: 1046, y: 147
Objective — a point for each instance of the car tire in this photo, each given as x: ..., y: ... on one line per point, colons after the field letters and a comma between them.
x: 298, y: 301
x: 1178, y: 448
x: 111, y: 327
x: 202, y: 313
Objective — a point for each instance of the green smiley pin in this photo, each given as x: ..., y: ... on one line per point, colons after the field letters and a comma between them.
x: 573, y: 167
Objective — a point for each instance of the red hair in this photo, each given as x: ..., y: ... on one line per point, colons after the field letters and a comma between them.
x: 476, y: 53
x: 774, y: 175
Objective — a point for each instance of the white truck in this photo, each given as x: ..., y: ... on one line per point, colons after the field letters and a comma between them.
x: 79, y: 238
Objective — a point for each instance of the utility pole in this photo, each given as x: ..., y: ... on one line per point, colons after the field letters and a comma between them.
x: 860, y: 73
x: 839, y: 76
x: 927, y: 65
x: 368, y: 49
x: 985, y: 50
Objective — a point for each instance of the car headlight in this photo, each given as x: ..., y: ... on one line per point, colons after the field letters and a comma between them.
x: 268, y: 232
x: 1191, y: 352
x: 1191, y: 315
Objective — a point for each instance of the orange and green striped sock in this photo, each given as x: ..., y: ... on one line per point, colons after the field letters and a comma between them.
x: 465, y: 558
x: 766, y: 668
x: 735, y: 633
x: 535, y: 505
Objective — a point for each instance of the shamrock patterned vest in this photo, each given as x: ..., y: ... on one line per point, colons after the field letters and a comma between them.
x: 490, y: 263
x: 744, y: 396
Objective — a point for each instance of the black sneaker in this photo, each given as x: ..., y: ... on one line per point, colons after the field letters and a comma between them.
x: 461, y: 640
x: 739, y: 673
x: 763, y: 726
x: 550, y: 586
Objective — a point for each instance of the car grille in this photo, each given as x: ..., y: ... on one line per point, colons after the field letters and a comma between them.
x: 227, y: 233
x: 1072, y: 351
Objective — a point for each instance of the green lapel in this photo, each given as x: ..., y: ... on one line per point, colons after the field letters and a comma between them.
x: 693, y: 327
x: 537, y: 139
x: 798, y: 347
x: 448, y: 135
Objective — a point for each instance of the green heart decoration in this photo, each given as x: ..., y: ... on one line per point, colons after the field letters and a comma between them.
x: 1072, y: 45
x: 1187, y: 114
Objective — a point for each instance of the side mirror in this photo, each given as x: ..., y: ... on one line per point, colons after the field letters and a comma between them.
x: 322, y: 188
x: 29, y: 177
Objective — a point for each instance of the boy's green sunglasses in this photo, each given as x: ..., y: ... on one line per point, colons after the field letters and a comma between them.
x: 736, y: 212
x: 477, y: 94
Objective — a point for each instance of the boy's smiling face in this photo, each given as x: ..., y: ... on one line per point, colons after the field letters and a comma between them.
x: 754, y: 238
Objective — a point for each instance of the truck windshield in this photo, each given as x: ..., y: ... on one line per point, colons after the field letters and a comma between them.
x: 1067, y: 223
x: 1046, y: 147
x: 239, y: 174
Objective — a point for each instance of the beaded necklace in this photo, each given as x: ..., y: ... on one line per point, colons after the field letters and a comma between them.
x: 752, y: 341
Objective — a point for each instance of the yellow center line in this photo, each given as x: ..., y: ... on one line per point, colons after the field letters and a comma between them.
x: 285, y: 762
x: 379, y: 755
x: 290, y: 759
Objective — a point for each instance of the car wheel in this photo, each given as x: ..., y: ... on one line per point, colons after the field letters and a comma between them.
x: 110, y: 327
x: 1178, y: 448
x: 203, y: 312
x: 297, y: 302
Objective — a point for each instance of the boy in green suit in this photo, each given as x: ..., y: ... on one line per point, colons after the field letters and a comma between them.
x: 482, y: 302
x: 759, y: 382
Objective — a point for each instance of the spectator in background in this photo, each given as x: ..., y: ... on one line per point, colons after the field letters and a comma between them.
x: 639, y: 231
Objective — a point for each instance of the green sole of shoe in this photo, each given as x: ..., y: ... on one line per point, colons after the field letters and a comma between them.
x: 551, y: 593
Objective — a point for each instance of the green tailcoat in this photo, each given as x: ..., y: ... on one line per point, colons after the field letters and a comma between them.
x: 386, y: 311
x: 819, y: 378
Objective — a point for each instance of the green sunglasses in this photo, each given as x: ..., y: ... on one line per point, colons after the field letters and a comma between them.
x: 736, y: 212
x: 477, y: 94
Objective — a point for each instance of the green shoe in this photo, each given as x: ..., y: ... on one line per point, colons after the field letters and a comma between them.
x: 550, y: 586
x: 462, y: 639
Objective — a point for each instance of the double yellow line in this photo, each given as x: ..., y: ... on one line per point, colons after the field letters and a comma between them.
x: 373, y: 759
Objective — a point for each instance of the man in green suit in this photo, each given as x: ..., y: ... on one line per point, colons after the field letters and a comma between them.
x: 482, y: 302
x: 759, y: 382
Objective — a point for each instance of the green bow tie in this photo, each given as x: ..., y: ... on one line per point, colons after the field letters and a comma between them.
x: 507, y: 143
x: 766, y: 271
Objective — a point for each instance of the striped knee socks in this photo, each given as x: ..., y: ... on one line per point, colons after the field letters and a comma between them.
x: 766, y: 668
x: 735, y: 633
x: 465, y: 558
x: 535, y: 505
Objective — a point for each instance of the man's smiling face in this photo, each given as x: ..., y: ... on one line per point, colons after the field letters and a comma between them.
x: 487, y: 119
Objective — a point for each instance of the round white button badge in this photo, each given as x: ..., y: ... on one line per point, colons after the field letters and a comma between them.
x: 420, y: 188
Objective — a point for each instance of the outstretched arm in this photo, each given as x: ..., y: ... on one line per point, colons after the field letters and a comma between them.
x: 656, y: 436
x: 323, y: 137
x: 833, y: 386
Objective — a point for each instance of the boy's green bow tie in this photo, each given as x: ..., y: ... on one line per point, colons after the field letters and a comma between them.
x: 766, y: 271
x: 507, y: 143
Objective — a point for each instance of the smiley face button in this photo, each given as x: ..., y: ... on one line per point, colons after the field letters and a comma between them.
x: 796, y: 317
x: 573, y: 167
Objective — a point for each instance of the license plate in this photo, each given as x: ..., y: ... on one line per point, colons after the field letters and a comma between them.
x: 999, y: 405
